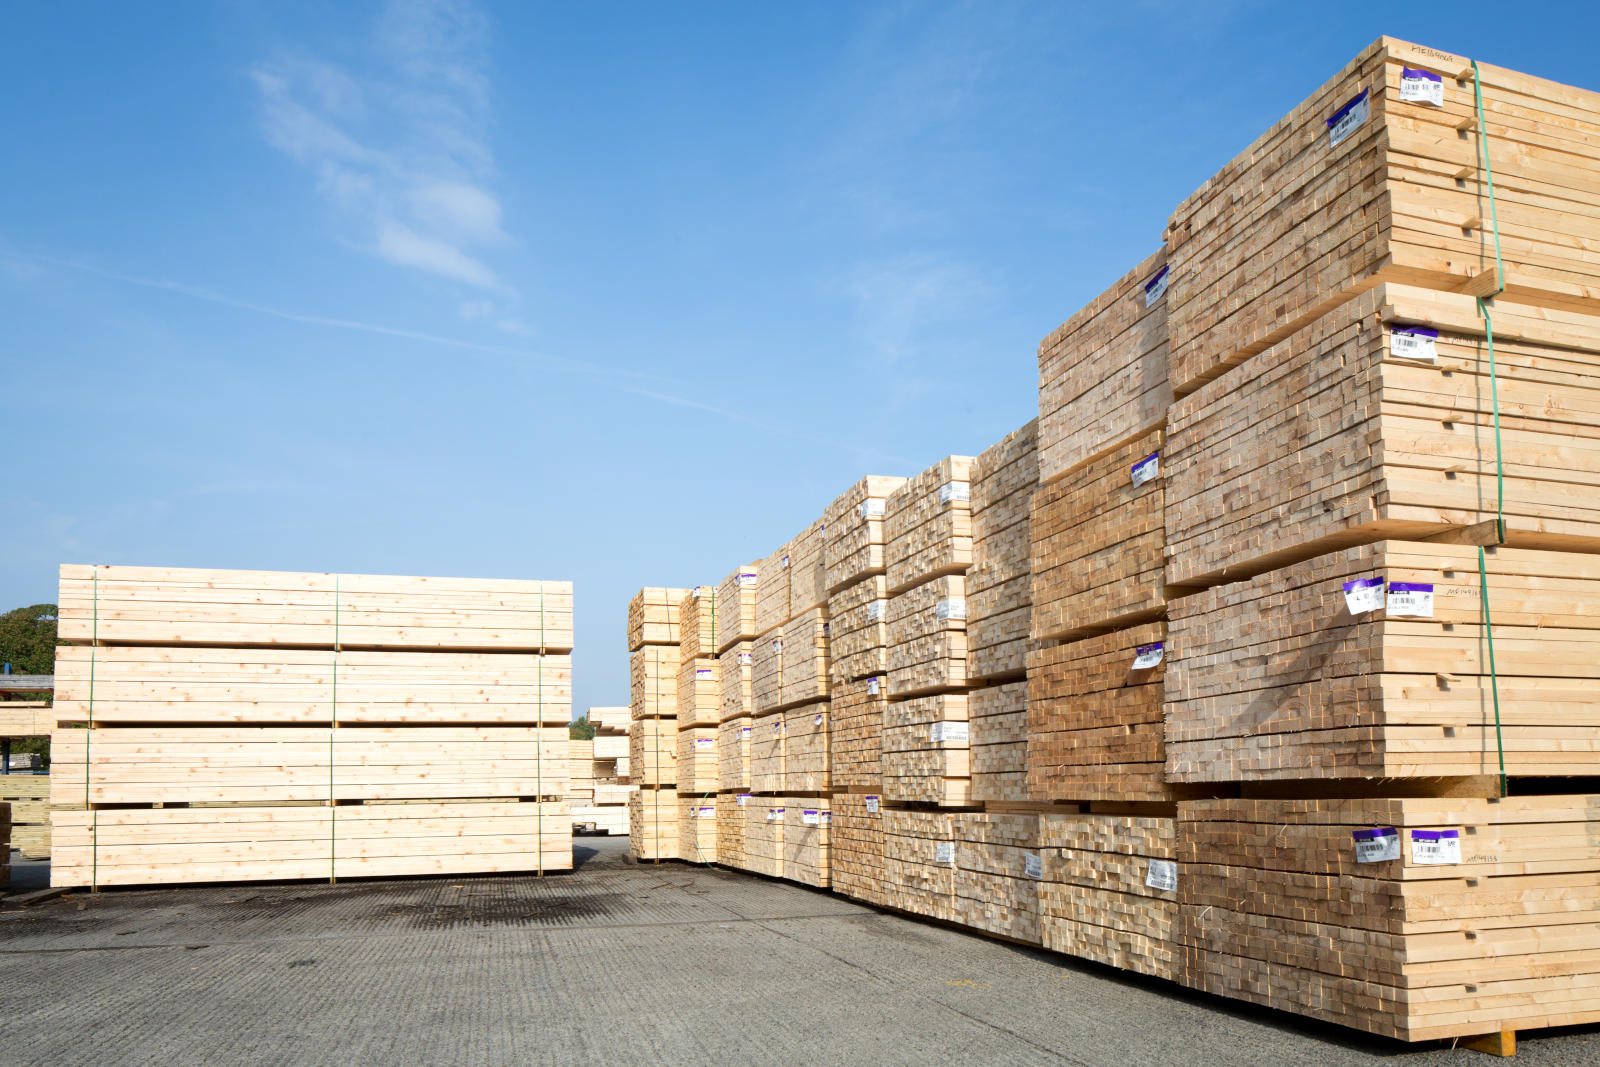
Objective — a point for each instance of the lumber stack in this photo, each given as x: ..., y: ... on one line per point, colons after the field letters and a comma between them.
x: 764, y: 819
x: 698, y: 766
x: 697, y: 827
x: 736, y: 604
x: 653, y: 753
x: 653, y: 824
x: 919, y: 862
x: 608, y: 778
x: 808, y: 585
x: 699, y: 698
x: 653, y: 617
x: 28, y: 798
x: 730, y: 828
x: 1109, y: 892
x: 929, y: 524
x: 997, y: 873
x: 158, y: 737
x: 998, y: 736
x: 697, y: 624
x: 999, y: 584
x: 854, y: 537
x: 1416, y: 918
x: 5, y: 845
x: 806, y: 732
x: 807, y: 831
x: 804, y: 659
x: 580, y: 774
x: 767, y: 754
x: 733, y: 754
x: 772, y: 590
x: 856, y: 739
x: 766, y: 673
x: 858, y: 630
x: 857, y: 846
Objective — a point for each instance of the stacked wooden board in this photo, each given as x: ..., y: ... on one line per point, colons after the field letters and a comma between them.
x: 606, y: 811
x: 1309, y: 511
x: 655, y: 642
x: 5, y: 845
x: 220, y: 725
x: 28, y: 797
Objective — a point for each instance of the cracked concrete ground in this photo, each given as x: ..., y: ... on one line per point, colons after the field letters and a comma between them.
x: 614, y: 962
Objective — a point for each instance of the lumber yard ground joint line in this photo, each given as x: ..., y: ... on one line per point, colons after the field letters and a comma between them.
x: 1494, y: 394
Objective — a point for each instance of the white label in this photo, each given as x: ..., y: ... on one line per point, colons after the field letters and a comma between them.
x: 744, y: 732
x: 872, y: 508
x: 777, y: 644
x: 1146, y: 469
x: 1434, y: 847
x: 947, y: 731
x: 1421, y: 87
x: 1362, y: 595
x: 693, y: 814
x: 708, y: 813
x: 1156, y: 287
x: 1147, y: 656
x: 825, y: 819
x: 746, y: 658
x: 876, y: 609
x: 872, y: 805
x: 1377, y: 845
x: 809, y: 817
x: 944, y: 852
x: 747, y: 578
x: 1032, y: 866
x: 1162, y: 874
x: 702, y: 674
x: 872, y: 687
x: 1414, y: 342
x: 741, y: 798
x: 1410, y: 598
x: 705, y: 742
x: 772, y: 813
x: 954, y: 607
x: 697, y: 592
x: 785, y: 561
x: 777, y: 727
x: 954, y: 491
x: 1349, y: 119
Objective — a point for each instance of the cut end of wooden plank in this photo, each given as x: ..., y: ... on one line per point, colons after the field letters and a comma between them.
x: 1500, y: 1043
x: 1488, y: 532
x: 1484, y: 284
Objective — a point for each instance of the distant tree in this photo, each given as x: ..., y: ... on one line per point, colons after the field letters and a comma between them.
x: 28, y: 643
x: 581, y: 729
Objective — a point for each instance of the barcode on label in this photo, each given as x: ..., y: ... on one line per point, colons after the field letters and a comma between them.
x: 1032, y: 866
x: 1162, y: 874
x: 944, y: 852
x: 1421, y: 87
x: 1362, y: 595
x: 1146, y: 469
x: 872, y: 805
x: 954, y: 491
x: 747, y: 578
x: 1147, y: 656
x: 1376, y: 845
x: 1414, y: 342
x: 954, y: 607
x: 1410, y: 598
x: 1349, y: 118
x: 1432, y: 847
x: 872, y: 687
x: 1156, y: 287
x: 872, y: 508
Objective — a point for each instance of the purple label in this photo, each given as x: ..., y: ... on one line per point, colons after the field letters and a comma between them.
x: 1343, y: 111
x: 1420, y: 331
x: 1407, y: 72
x: 1372, y: 835
x: 1362, y: 583
x: 1434, y: 835
x: 1410, y: 587
x: 1155, y: 280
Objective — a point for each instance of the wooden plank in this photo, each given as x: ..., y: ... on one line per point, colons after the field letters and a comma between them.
x: 999, y: 583
x: 855, y: 543
x: 736, y: 597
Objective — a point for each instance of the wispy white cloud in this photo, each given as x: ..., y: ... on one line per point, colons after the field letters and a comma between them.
x: 903, y: 304
x: 399, y: 149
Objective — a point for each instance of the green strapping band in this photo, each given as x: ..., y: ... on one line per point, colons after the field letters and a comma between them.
x: 1494, y: 392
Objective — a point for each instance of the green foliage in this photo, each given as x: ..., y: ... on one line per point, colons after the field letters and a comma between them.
x: 28, y: 639
x: 581, y: 729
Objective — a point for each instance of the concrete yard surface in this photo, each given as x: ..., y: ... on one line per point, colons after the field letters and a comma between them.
x: 614, y: 962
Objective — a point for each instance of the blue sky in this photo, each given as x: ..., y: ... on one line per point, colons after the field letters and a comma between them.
x: 617, y: 293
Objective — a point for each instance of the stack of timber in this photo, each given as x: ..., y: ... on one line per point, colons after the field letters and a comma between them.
x: 855, y: 743
x: 5, y: 845
x: 807, y: 829
x: 808, y: 586
x: 764, y: 819
x: 1344, y: 437
x: 656, y: 639
x: 699, y: 705
x: 772, y: 590
x: 804, y: 659
x: 855, y: 539
x: 766, y: 673
x: 767, y: 751
x: 1292, y: 674
x: 697, y: 624
x: 1413, y: 918
x: 730, y: 828
x: 733, y: 754
x: 925, y: 748
x: 806, y: 749
x: 697, y: 827
x: 653, y: 824
x: 609, y: 772
x: 736, y: 608
x: 997, y: 873
x: 580, y: 777
x: 919, y: 862
x: 698, y: 765
x: 998, y: 735
x: 192, y: 762
x: 28, y: 796
x: 856, y: 843
x: 1109, y: 892
x: 1379, y: 177
x: 858, y: 630
x: 999, y: 584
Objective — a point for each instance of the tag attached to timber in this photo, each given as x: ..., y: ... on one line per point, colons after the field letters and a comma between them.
x: 1156, y: 287
x: 744, y: 733
x: 785, y: 561
x: 1434, y: 847
x: 1146, y: 469
x: 1414, y: 342
x: 872, y: 508
x: 705, y: 742
x: 1147, y: 656
x: 747, y: 577
x: 1350, y: 118
x: 1162, y: 874
x: 1032, y: 865
x: 872, y: 805
x: 875, y: 609
x: 1410, y: 598
x: 742, y: 798
x: 954, y: 607
x: 746, y: 659
x: 809, y: 817
x: 872, y: 687
x: 708, y: 813
x: 818, y: 720
x: 944, y: 852
x: 1362, y: 595
x: 954, y: 491
x: 702, y: 674
x: 1376, y: 845
x: 1421, y: 87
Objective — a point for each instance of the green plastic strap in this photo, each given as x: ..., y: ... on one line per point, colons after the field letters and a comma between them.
x: 1494, y: 393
